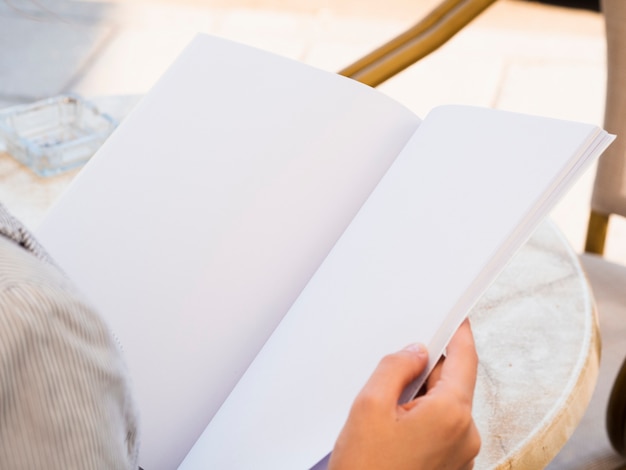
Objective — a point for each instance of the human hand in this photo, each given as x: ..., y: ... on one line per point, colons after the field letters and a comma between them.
x: 433, y: 431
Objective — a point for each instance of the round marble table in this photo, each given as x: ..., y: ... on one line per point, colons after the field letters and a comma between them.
x: 535, y: 330
x: 538, y: 343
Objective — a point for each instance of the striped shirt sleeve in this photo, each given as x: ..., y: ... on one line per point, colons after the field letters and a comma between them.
x: 65, y: 399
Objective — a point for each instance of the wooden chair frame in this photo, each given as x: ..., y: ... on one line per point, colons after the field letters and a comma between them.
x: 436, y: 28
x: 596, y: 233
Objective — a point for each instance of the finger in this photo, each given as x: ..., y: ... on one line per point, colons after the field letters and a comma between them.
x: 461, y: 364
x: 394, y: 373
x: 469, y: 466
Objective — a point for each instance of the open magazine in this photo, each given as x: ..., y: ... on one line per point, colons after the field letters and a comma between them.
x: 258, y: 234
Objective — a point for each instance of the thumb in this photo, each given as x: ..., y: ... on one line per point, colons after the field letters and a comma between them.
x: 395, y: 372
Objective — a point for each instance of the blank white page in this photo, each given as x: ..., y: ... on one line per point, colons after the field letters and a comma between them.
x: 467, y: 190
x: 204, y: 215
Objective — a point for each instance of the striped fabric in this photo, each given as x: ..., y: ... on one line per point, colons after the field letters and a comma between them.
x: 65, y: 401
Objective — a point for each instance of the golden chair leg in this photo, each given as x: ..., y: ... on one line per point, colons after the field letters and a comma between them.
x: 433, y: 31
x: 596, y: 233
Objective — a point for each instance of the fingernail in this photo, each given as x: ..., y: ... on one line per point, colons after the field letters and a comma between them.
x: 416, y: 348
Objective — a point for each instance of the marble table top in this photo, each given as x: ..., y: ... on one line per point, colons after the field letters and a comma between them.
x: 538, y: 344
x: 535, y: 329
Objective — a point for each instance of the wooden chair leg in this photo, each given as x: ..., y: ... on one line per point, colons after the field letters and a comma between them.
x: 616, y: 413
x: 596, y: 233
x: 448, y: 18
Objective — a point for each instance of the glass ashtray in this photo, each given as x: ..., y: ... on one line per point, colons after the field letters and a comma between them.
x: 55, y: 134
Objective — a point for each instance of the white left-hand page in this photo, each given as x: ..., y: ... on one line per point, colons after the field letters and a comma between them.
x: 203, y: 216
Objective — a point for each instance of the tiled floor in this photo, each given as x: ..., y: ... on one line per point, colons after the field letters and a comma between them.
x: 519, y: 55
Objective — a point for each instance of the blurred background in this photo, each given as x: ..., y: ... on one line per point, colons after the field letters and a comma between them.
x: 543, y: 58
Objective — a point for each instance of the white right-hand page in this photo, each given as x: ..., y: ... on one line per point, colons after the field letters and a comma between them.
x: 466, y: 191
